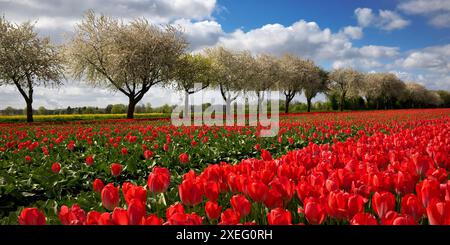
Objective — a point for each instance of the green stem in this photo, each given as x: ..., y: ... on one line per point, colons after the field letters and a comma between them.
x: 156, y: 204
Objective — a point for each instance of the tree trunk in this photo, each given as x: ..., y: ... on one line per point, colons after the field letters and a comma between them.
x: 229, y: 117
x: 227, y: 97
x: 186, y: 113
x: 308, y: 101
x: 28, y: 98
x: 260, y: 96
x: 286, y: 107
x: 228, y: 108
x: 29, y: 110
x: 341, y: 104
x: 131, y: 105
x: 258, y: 106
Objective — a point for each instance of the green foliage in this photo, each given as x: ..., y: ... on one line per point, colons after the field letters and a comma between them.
x: 118, y: 109
x: 445, y: 97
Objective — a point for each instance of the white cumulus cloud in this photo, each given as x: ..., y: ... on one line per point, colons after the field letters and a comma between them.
x: 437, y: 11
x: 353, y: 32
x: 385, y: 19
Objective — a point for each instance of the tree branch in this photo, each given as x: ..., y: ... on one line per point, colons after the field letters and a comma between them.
x: 25, y: 96
x: 104, y: 73
x: 222, y: 91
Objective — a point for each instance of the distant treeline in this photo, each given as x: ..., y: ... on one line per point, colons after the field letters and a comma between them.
x: 109, y: 109
x: 434, y: 99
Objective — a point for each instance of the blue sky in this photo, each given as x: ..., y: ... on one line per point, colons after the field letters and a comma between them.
x: 333, y: 14
x: 410, y: 38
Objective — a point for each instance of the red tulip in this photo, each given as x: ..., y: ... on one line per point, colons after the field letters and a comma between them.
x: 93, y: 217
x: 191, y: 175
x: 440, y: 175
x: 72, y: 216
x: 363, y: 219
x: 404, y: 183
x: 315, y: 212
x: 28, y: 159
x: 212, y: 210
x: 229, y: 217
x: 279, y: 216
x: 427, y: 190
x: 152, y: 219
x: 284, y: 186
x: 110, y: 196
x: 71, y: 146
x: 176, y: 219
x: 404, y: 220
x: 184, y: 219
x: 89, y: 160
x: 411, y: 206
x: 205, y: 140
x: 394, y: 218
x: 421, y: 163
x: 265, y: 155
x: 190, y: 192
x: 291, y: 140
x: 56, y: 167
x: 135, y: 192
x: 105, y: 219
x: 98, y: 185
x: 383, y: 202
x: 136, y: 211
x: 173, y: 209
x: 45, y: 151
x: 273, y: 199
x: 31, y: 216
x: 120, y: 216
x: 305, y: 189
x: 124, y: 151
x: 148, y: 153
x: 158, y: 180
x: 211, y: 190
x: 241, y: 205
x: 126, y: 186
x: 438, y: 212
x: 389, y: 218
x: 166, y: 147
x: 280, y: 139
x: 116, y: 169
x: 232, y: 181
x: 184, y: 158
x: 193, y: 219
x: 355, y: 204
x: 257, y: 190
x: 445, y: 191
x: 338, y: 204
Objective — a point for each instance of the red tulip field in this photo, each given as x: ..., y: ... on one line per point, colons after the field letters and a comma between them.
x: 352, y: 168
